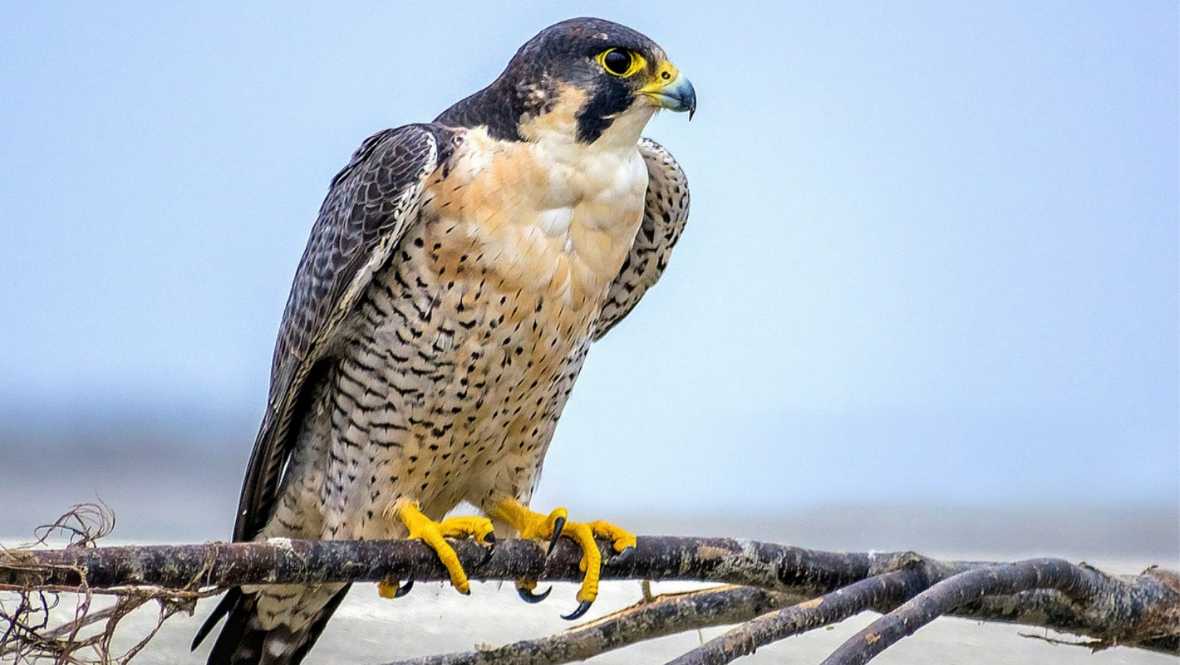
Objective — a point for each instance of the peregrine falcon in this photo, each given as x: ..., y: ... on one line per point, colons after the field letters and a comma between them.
x: 455, y: 278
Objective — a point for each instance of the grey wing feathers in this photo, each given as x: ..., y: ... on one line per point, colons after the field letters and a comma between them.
x: 367, y: 209
x: 664, y: 215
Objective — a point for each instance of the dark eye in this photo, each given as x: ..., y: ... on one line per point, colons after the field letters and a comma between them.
x: 617, y: 62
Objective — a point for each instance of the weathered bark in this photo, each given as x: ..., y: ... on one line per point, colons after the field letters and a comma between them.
x: 876, y: 591
x: 1141, y: 611
x: 283, y: 561
x: 668, y: 614
x: 1090, y: 591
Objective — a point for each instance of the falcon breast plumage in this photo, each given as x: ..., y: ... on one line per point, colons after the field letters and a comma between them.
x: 455, y: 278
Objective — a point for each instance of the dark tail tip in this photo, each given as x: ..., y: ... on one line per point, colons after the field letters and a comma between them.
x: 228, y: 602
x: 243, y: 640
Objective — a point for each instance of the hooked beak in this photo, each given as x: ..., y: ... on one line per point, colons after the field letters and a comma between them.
x: 674, y: 93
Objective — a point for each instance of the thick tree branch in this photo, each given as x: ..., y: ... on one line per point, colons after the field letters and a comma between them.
x: 280, y: 561
x: 1085, y: 588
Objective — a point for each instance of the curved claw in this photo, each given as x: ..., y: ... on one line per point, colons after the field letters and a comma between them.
x: 404, y: 589
x: 558, y: 525
x: 583, y: 607
x: 623, y: 556
x: 531, y: 598
x: 489, y: 550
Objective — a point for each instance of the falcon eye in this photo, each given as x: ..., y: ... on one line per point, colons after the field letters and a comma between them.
x: 620, y: 62
x: 616, y: 62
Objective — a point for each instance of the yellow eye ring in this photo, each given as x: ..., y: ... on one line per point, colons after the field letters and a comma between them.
x: 620, y: 62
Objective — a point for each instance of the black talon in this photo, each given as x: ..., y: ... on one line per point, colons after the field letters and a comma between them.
x: 558, y: 525
x: 531, y: 598
x: 583, y: 607
x: 489, y: 550
x: 623, y: 556
x: 403, y: 589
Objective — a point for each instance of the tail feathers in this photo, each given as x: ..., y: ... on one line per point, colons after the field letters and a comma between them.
x: 243, y: 640
x: 228, y: 602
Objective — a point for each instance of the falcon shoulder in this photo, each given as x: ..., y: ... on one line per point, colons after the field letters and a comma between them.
x: 366, y: 212
x: 665, y: 213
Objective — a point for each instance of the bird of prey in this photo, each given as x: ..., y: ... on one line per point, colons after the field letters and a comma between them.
x: 455, y: 278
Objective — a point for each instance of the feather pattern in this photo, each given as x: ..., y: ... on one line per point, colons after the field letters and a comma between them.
x: 665, y: 214
x: 369, y: 206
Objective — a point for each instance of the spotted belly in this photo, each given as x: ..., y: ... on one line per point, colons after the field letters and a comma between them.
x: 448, y: 389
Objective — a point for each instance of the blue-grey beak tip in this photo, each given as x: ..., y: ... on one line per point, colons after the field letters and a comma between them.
x: 678, y: 96
x: 688, y: 98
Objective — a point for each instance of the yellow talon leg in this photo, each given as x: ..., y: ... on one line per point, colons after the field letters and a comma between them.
x: 538, y: 525
x: 529, y: 523
x: 621, y: 539
x: 421, y: 527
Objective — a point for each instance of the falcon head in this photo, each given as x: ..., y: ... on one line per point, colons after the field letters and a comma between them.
x: 585, y: 79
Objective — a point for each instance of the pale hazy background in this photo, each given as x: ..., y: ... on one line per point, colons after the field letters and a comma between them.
x: 930, y: 280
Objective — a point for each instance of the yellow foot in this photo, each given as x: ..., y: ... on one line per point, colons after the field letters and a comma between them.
x: 555, y: 525
x: 434, y: 534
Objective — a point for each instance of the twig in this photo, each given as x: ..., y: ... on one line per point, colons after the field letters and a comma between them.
x: 663, y: 615
x: 809, y: 615
x: 28, y: 636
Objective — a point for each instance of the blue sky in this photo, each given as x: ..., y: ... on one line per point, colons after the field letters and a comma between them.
x: 933, y: 253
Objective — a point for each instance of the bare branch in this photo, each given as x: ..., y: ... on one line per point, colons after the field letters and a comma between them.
x: 809, y: 615
x: 667, y: 614
x: 280, y: 561
x: 1141, y: 611
x: 1085, y: 588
